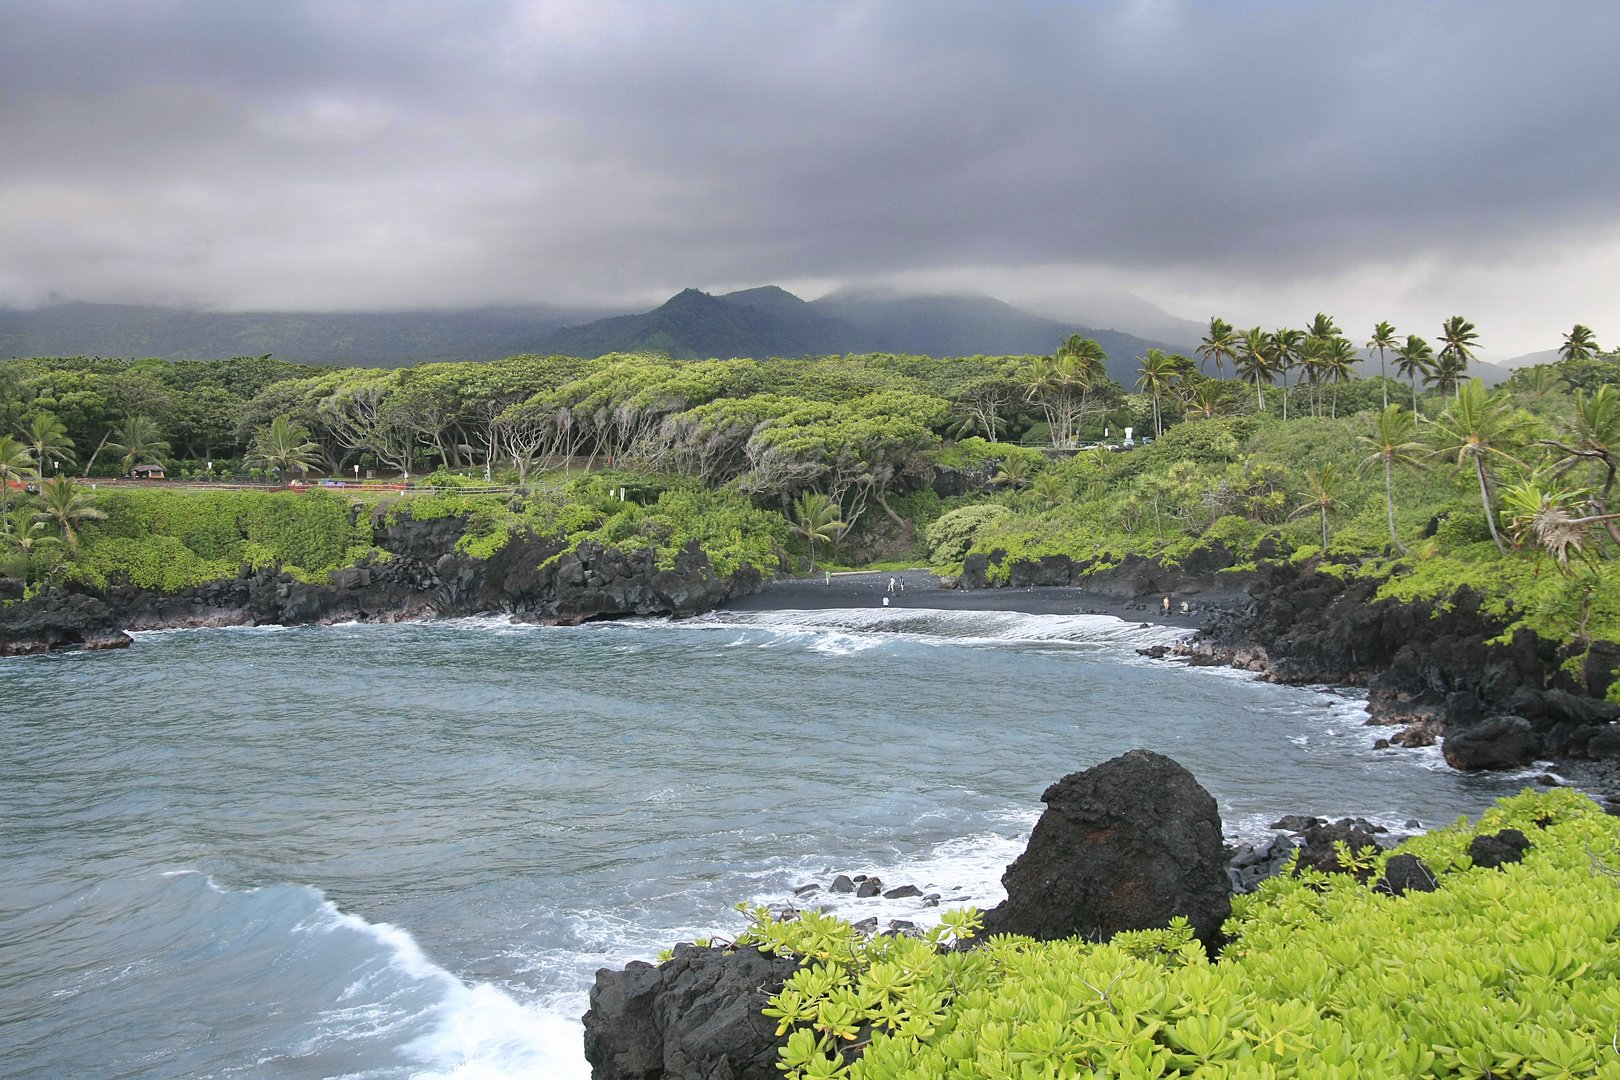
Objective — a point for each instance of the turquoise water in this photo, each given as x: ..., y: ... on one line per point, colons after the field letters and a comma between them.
x: 402, y: 850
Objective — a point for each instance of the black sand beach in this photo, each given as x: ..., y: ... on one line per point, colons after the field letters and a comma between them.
x: 922, y: 590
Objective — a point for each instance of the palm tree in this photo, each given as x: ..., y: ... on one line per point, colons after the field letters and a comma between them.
x: 1325, y: 485
x: 66, y: 504
x: 816, y: 518
x: 1337, y: 359
x: 1219, y: 345
x: 1547, y: 516
x: 20, y: 537
x: 1448, y: 374
x: 1310, y: 359
x: 1322, y: 327
x: 1412, y: 359
x: 1392, y: 445
x: 1383, y: 337
x: 284, y: 446
x: 1287, y: 346
x: 48, y: 438
x: 1459, y: 339
x: 1537, y: 380
x: 1050, y: 488
x: 15, y: 463
x: 1579, y: 344
x: 1595, y: 439
x: 1158, y: 376
x: 1014, y: 472
x: 139, y: 442
x: 1254, y: 361
x: 1475, y: 428
x: 1203, y: 397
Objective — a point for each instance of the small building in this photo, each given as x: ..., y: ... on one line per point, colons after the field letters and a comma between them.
x: 146, y: 472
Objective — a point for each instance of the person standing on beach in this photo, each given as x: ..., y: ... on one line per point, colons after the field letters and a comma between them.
x: 1167, y: 605
x: 829, y: 579
x: 891, y: 584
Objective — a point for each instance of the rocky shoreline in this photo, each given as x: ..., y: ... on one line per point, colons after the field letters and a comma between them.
x: 1129, y: 844
x: 1431, y: 669
x: 416, y: 572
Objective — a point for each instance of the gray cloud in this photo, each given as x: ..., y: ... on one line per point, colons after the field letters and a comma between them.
x: 384, y: 155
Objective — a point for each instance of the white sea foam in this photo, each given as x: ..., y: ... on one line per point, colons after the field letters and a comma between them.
x: 843, y: 631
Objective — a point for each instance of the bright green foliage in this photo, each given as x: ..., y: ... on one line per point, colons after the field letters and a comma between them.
x: 974, y: 453
x: 1511, y: 972
x: 725, y: 524
x: 157, y: 539
x: 951, y: 537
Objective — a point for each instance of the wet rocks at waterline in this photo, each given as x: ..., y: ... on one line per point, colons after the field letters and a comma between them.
x: 1128, y: 845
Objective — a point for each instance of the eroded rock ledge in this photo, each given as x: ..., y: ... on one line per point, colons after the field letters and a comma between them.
x: 1429, y: 668
x: 420, y: 573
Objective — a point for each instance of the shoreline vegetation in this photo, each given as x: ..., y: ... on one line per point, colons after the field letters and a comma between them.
x: 560, y: 489
x: 1483, y: 949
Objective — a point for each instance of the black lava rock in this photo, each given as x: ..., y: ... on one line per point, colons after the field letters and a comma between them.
x: 1404, y: 874
x: 1497, y: 742
x: 1320, y: 851
x: 902, y: 892
x: 842, y: 883
x: 1127, y: 845
x: 869, y: 888
x: 695, y: 1018
x: 1491, y: 851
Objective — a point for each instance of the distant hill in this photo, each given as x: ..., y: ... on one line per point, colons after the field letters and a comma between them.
x: 762, y: 322
x: 773, y: 322
x: 385, y: 339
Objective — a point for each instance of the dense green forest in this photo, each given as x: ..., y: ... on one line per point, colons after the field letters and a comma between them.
x: 1424, y: 477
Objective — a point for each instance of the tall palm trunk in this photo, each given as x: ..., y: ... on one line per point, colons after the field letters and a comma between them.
x: 1389, y: 503
x: 1485, y: 498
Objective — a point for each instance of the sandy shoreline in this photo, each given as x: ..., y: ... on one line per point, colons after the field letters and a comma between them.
x: 922, y: 590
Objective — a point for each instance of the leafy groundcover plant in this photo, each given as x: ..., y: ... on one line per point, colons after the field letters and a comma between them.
x: 1510, y: 972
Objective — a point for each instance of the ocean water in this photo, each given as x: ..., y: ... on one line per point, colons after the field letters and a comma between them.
x: 403, y: 850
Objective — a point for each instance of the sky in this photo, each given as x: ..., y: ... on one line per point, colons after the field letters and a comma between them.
x: 1260, y: 161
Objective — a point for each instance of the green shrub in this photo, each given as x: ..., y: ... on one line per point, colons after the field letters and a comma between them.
x: 1463, y: 527
x: 1511, y: 972
x: 158, y: 539
x: 1237, y: 533
x: 951, y: 537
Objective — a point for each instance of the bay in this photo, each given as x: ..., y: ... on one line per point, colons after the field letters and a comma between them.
x: 403, y: 850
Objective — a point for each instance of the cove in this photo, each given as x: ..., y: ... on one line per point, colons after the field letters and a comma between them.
x: 398, y: 850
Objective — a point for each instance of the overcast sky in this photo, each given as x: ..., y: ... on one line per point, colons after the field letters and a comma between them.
x: 1257, y: 160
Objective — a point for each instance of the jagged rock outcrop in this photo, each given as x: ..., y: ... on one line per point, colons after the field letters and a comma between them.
x: 1431, y: 669
x: 696, y: 1017
x: 417, y: 572
x: 1127, y: 845
x: 56, y: 621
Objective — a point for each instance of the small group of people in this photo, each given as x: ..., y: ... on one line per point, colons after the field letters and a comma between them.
x: 1184, y: 607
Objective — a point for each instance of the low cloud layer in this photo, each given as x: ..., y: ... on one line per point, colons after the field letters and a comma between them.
x: 1263, y: 160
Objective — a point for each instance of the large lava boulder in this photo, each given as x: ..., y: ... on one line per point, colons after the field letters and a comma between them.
x: 696, y: 1017
x: 1497, y: 742
x: 1127, y: 845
